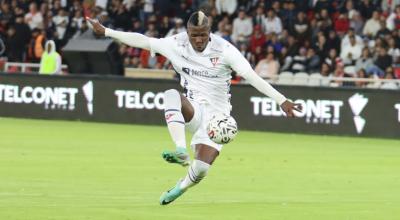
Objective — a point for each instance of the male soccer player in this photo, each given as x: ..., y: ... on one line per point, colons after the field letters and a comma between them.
x: 204, y: 62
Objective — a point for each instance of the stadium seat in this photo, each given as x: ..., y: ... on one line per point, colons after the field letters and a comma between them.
x: 315, y: 79
x: 389, y: 85
x: 300, y: 79
x: 285, y: 78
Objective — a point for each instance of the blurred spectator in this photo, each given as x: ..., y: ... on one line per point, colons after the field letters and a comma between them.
x: 259, y: 18
x: 152, y: 31
x: 122, y: 19
x: 61, y: 21
x: 221, y: 29
x: 178, y: 28
x: 352, y: 51
x: 393, y: 50
x: 301, y: 35
x: 301, y: 27
x: 273, y: 23
x: 382, y: 62
x: 226, y: 6
x: 299, y: 61
x: 50, y: 62
x: 257, y: 39
x: 274, y: 43
x: 332, y: 60
x: 361, y: 74
x: 324, y: 20
x: 372, y: 26
x: 326, y: 69
x: 36, y: 44
x: 346, y: 39
x: 77, y: 20
x: 349, y: 8
x: 365, y: 62
x: 34, y: 18
x: 393, y: 21
x: 244, y: 50
x: 313, y: 61
x: 268, y: 67
x: 183, y: 12
x: 342, y: 24
x: 366, y: 8
x: 17, y: 40
x: 357, y: 23
x: 383, y: 31
x: 292, y: 46
x: 148, y: 9
x: 242, y: 28
x: 321, y: 46
x: 333, y: 41
x: 390, y: 5
x: 289, y: 13
x: 389, y: 75
x: 6, y: 15
x: 163, y: 27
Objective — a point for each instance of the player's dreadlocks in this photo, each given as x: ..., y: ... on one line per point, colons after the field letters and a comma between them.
x: 198, y: 18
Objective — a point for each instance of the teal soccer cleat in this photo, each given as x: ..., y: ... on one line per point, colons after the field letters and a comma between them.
x: 172, y: 194
x: 180, y: 156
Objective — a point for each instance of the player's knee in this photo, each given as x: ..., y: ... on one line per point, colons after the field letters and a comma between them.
x: 172, y: 99
x: 200, y: 169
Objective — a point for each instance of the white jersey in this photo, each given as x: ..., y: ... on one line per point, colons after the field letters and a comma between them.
x: 205, y: 76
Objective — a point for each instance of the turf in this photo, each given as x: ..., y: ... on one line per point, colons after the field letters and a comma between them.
x: 78, y: 170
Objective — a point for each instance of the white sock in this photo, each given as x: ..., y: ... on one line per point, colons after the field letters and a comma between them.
x: 174, y: 117
x: 196, y: 172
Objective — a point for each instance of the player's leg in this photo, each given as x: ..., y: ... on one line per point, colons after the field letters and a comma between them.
x: 178, y: 110
x: 205, y: 155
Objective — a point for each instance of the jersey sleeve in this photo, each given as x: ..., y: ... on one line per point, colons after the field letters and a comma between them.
x: 162, y: 46
x: 243, y: 68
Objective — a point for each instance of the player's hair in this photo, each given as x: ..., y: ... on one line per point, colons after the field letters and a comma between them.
x: 197, y: 19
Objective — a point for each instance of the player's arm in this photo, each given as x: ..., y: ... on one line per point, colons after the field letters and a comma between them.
x: 154, y: 45
x: 240, y: 65
x: 129, y: 38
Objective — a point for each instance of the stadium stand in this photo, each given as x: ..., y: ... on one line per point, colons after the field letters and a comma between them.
x: 304, y: 36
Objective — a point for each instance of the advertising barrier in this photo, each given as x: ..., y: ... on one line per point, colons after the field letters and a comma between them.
x: 330, y: 111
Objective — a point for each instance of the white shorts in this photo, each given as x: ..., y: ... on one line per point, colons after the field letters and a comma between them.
x: 198, y: 125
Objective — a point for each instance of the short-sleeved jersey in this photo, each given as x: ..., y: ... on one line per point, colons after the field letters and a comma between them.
x: 205, y: 76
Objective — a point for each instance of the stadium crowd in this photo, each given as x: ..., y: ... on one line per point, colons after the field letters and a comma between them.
x: 341, y: 38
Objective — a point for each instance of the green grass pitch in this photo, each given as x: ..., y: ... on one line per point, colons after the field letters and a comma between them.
x: 79, y: 170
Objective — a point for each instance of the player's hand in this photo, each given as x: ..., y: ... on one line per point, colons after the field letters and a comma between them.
x: 288, y: 107
x: 95, y: 25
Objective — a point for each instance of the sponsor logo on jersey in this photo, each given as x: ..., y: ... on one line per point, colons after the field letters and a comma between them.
x: 133, y: 99
x: 214, y: 61
x: 201, y: 73
x: 62, y: 98
x: 357, y: 103
x: 397, y: 106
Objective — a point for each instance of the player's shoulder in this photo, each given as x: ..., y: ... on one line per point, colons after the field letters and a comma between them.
x: 180, y: 39
x: 219, y: 44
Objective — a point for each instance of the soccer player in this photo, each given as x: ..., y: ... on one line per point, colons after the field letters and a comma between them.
x: 204, y: 62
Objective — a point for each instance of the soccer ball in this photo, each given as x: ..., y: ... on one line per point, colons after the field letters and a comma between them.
x: 222, y: 128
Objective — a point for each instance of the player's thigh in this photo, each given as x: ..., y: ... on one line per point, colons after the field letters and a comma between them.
x: 187, y: 109
x: 205, y: 153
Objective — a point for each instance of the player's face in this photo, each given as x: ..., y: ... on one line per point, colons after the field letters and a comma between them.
x: 199, y: 37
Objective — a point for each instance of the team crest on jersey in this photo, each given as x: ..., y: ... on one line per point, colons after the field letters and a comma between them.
x: 214, y: 61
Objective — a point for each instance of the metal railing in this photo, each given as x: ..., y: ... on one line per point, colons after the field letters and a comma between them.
x: 28, y: 67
